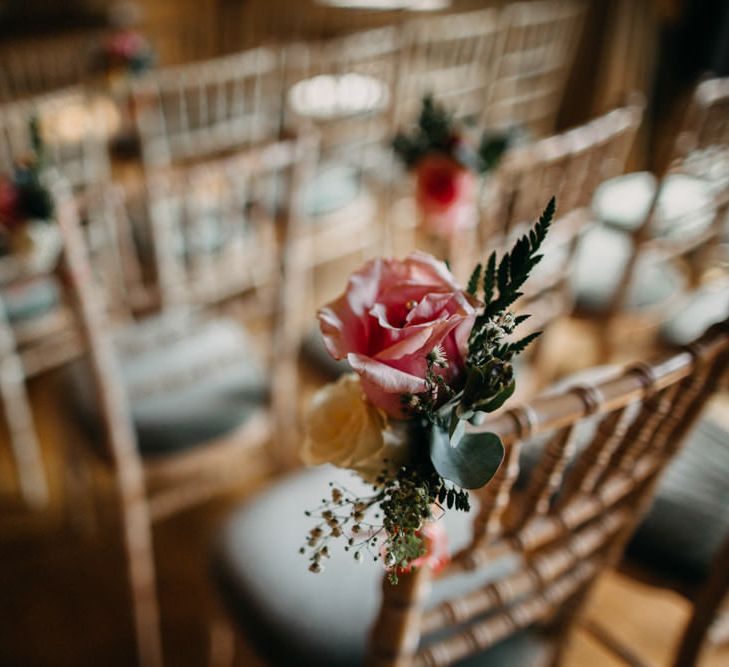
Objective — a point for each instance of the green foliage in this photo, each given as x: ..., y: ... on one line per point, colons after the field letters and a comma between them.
x: 471, y: 463
x: 437, y: 132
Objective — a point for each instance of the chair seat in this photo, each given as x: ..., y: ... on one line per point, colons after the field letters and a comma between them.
x: 25, y: 300
x: 696, y: 312
x: 600, y: 260
x: 315, y: 352
x: 188, y: 382
x: 333, y: 187
x: 296, y: 617
x: 684, y: 207
x: 688, y: 519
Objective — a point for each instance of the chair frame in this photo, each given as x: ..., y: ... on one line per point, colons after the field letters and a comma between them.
x: 220, y: 88
x: 567, y: 540
x: 703, y: 124
x: 151, y: 491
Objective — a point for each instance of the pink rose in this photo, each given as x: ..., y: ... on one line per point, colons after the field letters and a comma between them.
x: 125, y: 44
x: 445, y: 195
x: 392, y: 315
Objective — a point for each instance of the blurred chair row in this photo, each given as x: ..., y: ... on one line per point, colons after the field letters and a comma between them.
x: 164, y: 271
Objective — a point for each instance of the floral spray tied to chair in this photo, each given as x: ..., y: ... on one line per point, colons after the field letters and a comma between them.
x: 28, y: 239
x: 428, y: 357
x: 447, y: 162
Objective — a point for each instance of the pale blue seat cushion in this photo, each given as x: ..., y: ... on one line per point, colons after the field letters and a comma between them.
x: 696, y: 312
x: 684, y: 209
x: 27, y: 299
x: 189, y: 382
x: 333, y: 186
x: 316, y: 353
x: 599, y: 263
x: 296, y: 617
x: 689, y: 518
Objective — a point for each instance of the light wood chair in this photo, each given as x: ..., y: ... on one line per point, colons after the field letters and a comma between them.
x: 533, y: 64
x: 177, y: 404
x: 346, y: 88
x: 344, y: 91
x: 570, y: 165
x: 453, y: 57
x: 579, y: 471
x: 675, y: 219
x: 74, y: 128
x: 192, y: 112
x: 39, y: 66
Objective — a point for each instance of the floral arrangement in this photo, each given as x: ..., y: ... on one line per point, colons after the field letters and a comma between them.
x: 27, y: 238
x: 427, y: 357
x: 447, y: 163
x: 125, y: 50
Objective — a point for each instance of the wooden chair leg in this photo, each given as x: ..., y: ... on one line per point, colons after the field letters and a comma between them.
x: 23, y: 438
x: 137, y: 537
x: 706, y: 606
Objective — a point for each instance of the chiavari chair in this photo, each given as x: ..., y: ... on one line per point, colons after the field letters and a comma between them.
x: 195, y: 111
x: 39, y: 66
x: 667, y: 222
x: 178, y: 404
x: 570, y: 165
x: 73, y: 127
x: 344, y: 91
x: 533, y: 63
x: 453, y: 57
x: 580, y: 468
x: 73, y: 144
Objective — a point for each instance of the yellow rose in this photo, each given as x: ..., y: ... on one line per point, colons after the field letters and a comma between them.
x: 344, y: 429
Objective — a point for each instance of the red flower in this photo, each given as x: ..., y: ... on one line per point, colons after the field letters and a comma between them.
x: 10, y: 215
x: 125, y: 45
x: 445, y: 195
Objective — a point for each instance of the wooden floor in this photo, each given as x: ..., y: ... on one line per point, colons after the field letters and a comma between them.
x: 63, y: 600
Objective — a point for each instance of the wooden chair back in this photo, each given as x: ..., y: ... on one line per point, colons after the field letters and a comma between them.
x: 571, y: 518
x: 569, y: 166
x: 701, y: 149
x: 38, y: 66
x: 534, y: 63
x: 706, y: 124
x: 353, y: 97
x: 453, y: 57
x: 72, y: 130
x: 51, y: 340
x: 195, y: 111
x: 214, y: 227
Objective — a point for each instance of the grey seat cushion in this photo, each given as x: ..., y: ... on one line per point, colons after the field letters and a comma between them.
x: 684, y: 206
x: 27, y: 299
x: 315, y: 352
x: 689, y: 518
x: 333, y: 187
x: 601, y: 257
x: 188, y: 382
x: 697, y: 311
x: 296, y: 617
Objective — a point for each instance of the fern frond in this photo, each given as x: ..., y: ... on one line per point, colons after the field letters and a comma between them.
x: 474, y: 280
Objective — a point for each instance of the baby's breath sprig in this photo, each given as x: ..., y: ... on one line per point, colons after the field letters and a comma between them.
x: 387, y: 524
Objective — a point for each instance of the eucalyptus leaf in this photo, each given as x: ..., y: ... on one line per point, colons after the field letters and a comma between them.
x: 456, y: 430
x: 497, y: 401
x: 471, y: 463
